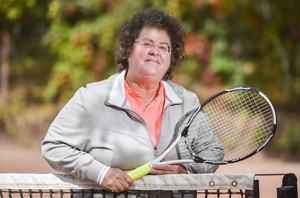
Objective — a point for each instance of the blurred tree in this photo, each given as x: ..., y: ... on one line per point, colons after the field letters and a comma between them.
x: 228, y: 43
x: 254, y: 43
x: 289, y: 141
x: 83, y: 34
x: 10, y: 13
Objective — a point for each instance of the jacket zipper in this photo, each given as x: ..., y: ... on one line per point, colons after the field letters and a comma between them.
x: 140, y: 118
x: 155, y: 151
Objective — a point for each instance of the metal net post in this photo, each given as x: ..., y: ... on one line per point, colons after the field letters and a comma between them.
x: 289, y: 187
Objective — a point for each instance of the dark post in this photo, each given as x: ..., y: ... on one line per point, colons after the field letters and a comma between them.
x: 289, y: 187
x: 255, y: 192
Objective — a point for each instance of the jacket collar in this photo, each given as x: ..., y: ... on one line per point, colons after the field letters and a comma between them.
x: 116, y: 94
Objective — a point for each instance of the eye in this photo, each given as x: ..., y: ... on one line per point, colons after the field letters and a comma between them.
x: 164, y: 47
x: 147, y: 44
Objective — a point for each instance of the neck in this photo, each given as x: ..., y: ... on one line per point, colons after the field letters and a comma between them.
x: 153, y: 97
x: 148, y: 92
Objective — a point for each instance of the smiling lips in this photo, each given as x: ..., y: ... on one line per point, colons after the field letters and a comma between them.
x: 152, y: 60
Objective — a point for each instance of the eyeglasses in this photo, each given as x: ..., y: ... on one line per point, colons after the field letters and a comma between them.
x: 148, y: 44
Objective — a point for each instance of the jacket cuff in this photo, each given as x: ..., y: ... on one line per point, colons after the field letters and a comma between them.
x: 102, y: 175
x: 95, y: 169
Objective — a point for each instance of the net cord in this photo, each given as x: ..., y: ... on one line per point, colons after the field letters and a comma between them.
x: 150, y: 182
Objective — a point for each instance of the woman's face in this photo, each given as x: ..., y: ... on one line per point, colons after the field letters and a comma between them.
x: 147, y: 61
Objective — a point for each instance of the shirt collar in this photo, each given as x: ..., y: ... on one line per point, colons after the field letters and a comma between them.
x: 117, y: 97
x: 136, y: 96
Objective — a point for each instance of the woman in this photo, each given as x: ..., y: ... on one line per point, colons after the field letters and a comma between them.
x: 120, y: 123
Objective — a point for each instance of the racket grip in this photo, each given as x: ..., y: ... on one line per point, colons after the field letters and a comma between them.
x: 139, y: 172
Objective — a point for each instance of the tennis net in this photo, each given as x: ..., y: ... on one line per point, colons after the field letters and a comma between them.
x: 62, y: 185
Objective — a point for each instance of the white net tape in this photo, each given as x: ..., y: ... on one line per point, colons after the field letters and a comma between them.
x: 151, y: 182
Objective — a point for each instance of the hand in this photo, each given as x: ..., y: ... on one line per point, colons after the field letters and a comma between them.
x: 117, y: 180
x: 160, y: 169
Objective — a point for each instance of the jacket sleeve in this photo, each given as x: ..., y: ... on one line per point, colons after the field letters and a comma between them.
x: 204, y: 143
x: 64, y: 145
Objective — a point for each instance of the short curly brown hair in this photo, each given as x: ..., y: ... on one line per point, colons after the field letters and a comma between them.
x: 150, y: 17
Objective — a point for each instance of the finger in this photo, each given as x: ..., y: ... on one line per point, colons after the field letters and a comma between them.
x: 128, y: 180
x: 117, y: 180
x: 160, y: 170
x: 118, y: 186
x: 124, y: 183
x: 168, y: 169
x: 162, y: 167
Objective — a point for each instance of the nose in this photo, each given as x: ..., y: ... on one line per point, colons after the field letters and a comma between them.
x: 155, y: 50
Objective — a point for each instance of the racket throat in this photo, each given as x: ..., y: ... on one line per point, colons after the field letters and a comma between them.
x: 190, y: 149
x: 199, y: 159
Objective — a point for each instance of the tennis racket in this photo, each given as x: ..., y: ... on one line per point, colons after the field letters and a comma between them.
x: 242, y: 119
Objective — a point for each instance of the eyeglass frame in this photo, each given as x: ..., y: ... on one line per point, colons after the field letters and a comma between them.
x: 153, y: 45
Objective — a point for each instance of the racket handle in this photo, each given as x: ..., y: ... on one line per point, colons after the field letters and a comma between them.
x: 139, y: 172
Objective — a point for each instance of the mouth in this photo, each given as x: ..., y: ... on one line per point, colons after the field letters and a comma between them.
x: 152, y: 60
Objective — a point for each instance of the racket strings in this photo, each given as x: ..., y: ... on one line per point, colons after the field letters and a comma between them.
x: 242, y: 121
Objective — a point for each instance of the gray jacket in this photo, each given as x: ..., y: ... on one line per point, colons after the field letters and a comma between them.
x: 96, y: 129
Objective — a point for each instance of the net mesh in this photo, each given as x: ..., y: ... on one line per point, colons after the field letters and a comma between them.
x: 61, y: 185
x: 242, y: 120
x: 102, y: 193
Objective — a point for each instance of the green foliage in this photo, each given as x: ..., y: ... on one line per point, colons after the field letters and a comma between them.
x: 254, y: 43
x: 289, y: 140
x: 240, y: 42
x: 13, y: 10
x: 78, y: 34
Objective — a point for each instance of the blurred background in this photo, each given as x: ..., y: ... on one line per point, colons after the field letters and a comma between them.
x: 51, y: 48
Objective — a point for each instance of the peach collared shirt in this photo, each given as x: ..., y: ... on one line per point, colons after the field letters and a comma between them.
x: 152, y: 114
